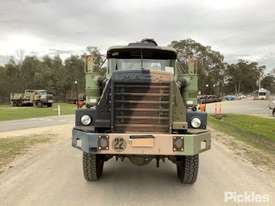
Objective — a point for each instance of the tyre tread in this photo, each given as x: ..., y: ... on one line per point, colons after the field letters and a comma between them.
x: 187, y: 169
x: 89, y: 167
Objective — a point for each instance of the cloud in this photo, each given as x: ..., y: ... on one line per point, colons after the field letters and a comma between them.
x: 237, y: 28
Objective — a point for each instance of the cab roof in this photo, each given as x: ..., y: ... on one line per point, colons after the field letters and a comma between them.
x: 146, y: 48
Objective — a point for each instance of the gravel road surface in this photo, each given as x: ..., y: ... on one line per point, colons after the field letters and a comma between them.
x: 12, y: 125
x: 245, y: 106
x: 52, y: 175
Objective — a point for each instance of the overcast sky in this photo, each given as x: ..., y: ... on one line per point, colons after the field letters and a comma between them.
x: 236, y: 28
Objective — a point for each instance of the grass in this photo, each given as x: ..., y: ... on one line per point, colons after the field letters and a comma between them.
x: 13, y: 146
x: 257, y: 131
x: 8, y: 112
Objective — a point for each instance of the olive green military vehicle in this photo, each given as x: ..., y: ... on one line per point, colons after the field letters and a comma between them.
x: 32, y: 97
x: 22, y: 99
x: 42, y: 98
x: 143, y: 109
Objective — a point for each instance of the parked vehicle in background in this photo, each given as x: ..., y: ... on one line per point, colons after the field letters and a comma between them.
x: 261, y: 94
x: 230, y: 97
x: 208, y: 99
x: 240, y: 97
x: 22, y: 99
x: 32, y: 97
x: 42, y: 98
x: 141, y: 111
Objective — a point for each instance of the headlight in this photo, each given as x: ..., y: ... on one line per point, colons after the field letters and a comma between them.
x: 196, y: 122
x: 86, y: 120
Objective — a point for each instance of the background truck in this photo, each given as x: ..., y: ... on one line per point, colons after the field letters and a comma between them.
x: 30, y: 97
x: 22, y: 99
x: 42, y: 98
x: 142, y: 109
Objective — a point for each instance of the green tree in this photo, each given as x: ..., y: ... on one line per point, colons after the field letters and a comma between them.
x: 28, y: 70
x: 3, y: 84
x: 243, y: 76
x: 12, y: 77
x: 268, y: 82
x: 98, y: 60
x: 210, y: 64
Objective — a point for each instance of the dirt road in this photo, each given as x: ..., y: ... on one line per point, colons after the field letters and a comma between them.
x: 20, y: 124
x: 245, y: 106
x: 52, y: 175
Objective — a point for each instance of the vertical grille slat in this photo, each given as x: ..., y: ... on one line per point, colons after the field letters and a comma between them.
x: 141, y: 107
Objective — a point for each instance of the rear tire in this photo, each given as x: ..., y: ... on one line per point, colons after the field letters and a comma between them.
x: 273, y: 112
x: 92, y: 166
x: 187, y: 168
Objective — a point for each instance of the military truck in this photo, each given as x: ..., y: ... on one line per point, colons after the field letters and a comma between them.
x: 32, y: 97
x: 22, y: 99
x: 42, y: 98
x: 141, y: 110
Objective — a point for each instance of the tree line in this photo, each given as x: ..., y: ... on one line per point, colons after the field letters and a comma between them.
x: 219, y: 77
x: 215, y: 75
x: 48, y: 73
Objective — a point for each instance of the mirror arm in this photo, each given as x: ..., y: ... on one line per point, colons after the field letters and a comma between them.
x: 103, y: 63
x: 181, y: 66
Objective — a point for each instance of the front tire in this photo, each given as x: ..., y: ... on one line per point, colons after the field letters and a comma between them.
x: 92, y: 166
x: 39, y: 104
x: 187, y: 168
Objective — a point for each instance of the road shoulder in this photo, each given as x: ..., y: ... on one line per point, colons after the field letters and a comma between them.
x: 262, y: 160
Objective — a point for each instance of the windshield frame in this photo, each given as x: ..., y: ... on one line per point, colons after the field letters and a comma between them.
x: 140, y: 64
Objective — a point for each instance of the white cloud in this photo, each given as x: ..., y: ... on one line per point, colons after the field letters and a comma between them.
x: 235, y: 27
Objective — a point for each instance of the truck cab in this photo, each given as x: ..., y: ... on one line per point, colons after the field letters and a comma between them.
x: 42, y: 98
x: 142, y: 109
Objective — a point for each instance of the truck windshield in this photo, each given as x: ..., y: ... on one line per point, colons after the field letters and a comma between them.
x: 42, y: 92
x: 148, y: 64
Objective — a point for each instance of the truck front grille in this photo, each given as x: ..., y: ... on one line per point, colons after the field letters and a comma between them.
x: 141, y: 107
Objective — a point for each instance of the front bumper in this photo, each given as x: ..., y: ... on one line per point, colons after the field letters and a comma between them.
x: 141, y: 144
x: 46, y: 101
